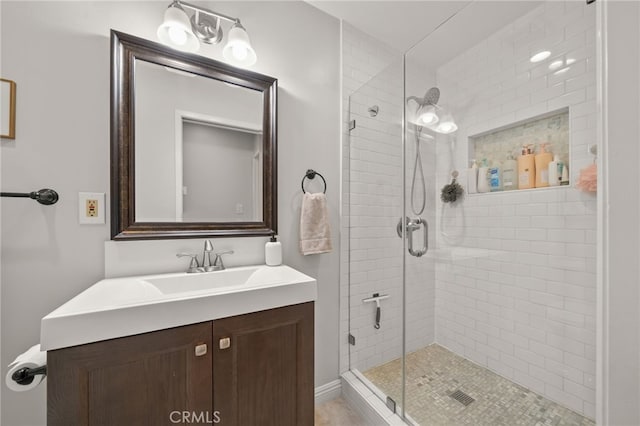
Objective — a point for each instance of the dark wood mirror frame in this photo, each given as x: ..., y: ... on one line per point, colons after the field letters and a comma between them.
x: 125, y: 49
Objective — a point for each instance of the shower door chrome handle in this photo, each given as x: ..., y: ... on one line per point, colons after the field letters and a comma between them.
x: 413, y: 226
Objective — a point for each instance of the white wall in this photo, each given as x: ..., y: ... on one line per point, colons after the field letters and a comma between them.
x: 517, y: 291
x: 621, y: 345
x: 61, y: 66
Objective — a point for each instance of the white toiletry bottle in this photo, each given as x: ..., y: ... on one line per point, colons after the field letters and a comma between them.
x: 495, y: 177
x: 483, y: 177
x: 565, y: 175
x: 273, y: 252
x: 510, y: 173
x: 555, y: 171
x: 472, y: 178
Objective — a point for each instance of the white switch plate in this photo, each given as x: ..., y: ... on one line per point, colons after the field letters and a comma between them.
x: 91, y: 208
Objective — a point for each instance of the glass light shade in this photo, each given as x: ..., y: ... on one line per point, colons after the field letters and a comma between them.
x: 238, y: 49
x: 427, y: 116
x: 446, y: 125
x: 175, y: 30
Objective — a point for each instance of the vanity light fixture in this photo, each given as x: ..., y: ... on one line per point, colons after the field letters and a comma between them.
x: 185, y: 33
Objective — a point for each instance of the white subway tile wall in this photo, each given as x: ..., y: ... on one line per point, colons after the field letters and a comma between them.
x: 516, y: 284
x: 362, y: 58
x: 372, y: 207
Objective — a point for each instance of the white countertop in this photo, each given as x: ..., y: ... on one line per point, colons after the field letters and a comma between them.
x: 120, y: 307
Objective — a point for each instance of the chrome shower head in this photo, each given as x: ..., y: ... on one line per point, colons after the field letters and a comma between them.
x: 431, y: 97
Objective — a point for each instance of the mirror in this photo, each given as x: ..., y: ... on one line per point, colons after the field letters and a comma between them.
x: 193, y: 145
x: 7, y: 109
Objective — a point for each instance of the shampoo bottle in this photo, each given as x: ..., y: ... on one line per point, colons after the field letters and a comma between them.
x: 565, y: 175
x: 483, y: 177
x: 472, y: 178
x: 526, y: 168
x: 509, y: 174
x: 495, y: 177
x: 542, y: 166
x: 555, y: 171
x: 273, y: 252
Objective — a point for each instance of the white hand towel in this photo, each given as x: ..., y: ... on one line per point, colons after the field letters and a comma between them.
x: 315, y: 232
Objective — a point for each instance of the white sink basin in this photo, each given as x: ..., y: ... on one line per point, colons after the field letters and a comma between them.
x: 120, y: 307
x: 227, y: 279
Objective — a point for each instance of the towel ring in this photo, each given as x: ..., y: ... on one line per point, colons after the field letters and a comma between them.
x: 311, y: 174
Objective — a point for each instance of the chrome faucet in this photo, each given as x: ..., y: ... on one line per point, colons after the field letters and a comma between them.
x: 206, y: 257
x: 206, y: 265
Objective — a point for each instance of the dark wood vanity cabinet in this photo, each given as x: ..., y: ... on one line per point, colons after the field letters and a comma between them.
x: 256, y: 369
x: 266, y: 376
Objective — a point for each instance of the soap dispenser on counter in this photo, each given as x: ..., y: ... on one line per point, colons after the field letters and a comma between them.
x: 273, y: 252
x: 542, y: 166
x: 526, y: 168
x: 483, y: 177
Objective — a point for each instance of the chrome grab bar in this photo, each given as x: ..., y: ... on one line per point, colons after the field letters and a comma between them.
x: 413, y: 225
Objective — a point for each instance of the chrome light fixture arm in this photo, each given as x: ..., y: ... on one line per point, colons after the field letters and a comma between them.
x: 209, y: 12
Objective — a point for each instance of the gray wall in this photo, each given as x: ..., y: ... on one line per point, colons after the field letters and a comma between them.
x: 621, y: 346
x: 61, y: 66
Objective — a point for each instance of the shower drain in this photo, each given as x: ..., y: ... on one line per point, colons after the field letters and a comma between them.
x: 462, y: 397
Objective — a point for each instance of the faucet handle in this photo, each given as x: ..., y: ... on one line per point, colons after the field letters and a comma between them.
x: 193, y: 266
x: 218, y: 264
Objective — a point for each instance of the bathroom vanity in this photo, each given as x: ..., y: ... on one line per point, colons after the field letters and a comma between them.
x: 250, y: 368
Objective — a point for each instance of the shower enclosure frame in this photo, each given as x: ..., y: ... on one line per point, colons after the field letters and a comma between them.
x: 603, y: 281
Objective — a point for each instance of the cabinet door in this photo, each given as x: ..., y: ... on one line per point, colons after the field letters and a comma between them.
x: 265, y: 375
x: 148, y: 379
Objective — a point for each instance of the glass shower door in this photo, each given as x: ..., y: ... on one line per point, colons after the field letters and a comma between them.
x: 373, y: 190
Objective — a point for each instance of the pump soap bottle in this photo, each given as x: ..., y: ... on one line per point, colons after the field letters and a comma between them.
x: 273, y: 252
x: 526, y: 168
x: 542, y: 166
x: 509, y: 173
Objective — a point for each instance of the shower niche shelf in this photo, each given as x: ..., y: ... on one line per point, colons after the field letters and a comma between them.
x: 496, y: 145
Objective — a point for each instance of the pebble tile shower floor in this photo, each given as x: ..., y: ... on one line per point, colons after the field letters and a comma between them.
x: 434, y: 374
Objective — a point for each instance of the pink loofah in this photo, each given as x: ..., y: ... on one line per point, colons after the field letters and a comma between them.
x: 588, y: 180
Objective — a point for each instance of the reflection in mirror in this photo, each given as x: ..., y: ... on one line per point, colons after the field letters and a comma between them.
x: 197, y: 159
x: 7, y: 109
x: 193, y: 145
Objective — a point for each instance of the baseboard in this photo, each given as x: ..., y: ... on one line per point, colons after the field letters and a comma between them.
x: 328, y: 391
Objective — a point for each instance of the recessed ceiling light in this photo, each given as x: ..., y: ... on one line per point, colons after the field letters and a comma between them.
x: 540, y: 56
x: 570, y: 61
x: 561, y: 71
x: 555, y: 65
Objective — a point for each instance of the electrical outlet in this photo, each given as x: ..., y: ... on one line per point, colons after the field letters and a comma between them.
x: 91, y: 208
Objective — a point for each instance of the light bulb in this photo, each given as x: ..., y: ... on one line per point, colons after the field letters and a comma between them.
x: 427, y: 115
x: 239, y: 52
x: 177, y: 35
